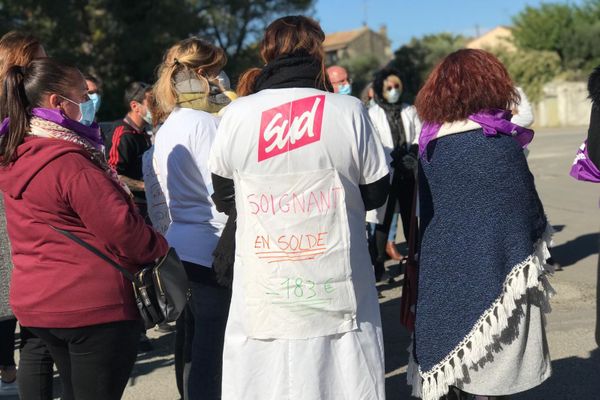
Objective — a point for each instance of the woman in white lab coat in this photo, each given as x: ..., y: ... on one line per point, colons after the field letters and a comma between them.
x: 305, y: 163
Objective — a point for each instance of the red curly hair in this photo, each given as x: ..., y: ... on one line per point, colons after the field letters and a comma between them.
x: 465, y: 82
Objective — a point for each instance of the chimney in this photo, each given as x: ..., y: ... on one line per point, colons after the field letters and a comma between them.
x: 383, y: 30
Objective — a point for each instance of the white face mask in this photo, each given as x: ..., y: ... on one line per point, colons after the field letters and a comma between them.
x: 224, y: 80
x: 393, y: 96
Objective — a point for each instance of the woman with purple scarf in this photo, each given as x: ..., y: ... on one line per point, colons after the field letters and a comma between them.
x: 54, y: 177
x: 586, y: 166
x: 482, y: 289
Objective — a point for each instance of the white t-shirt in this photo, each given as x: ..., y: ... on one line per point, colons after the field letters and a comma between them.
x: 155, y: 198
x: 297, y: 157
x: 181, y: 154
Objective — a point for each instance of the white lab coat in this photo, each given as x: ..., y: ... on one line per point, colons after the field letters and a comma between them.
x: 412, y: 128
x: 265, y: 141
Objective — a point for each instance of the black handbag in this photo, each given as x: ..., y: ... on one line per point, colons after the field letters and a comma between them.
x: 161, y: 290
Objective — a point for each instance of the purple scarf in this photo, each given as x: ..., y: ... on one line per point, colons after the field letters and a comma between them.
x: 583, y: 168
x: 90, y: 133
x: 493, y: 122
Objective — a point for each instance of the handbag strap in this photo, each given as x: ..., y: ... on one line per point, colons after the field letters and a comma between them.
x: 97, y: 252
x: 412, y: 232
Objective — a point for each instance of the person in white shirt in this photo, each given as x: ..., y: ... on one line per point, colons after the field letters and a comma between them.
x: 522, y: 112
x: 399, y: 127
x: 188, y: 92
x: 302, y: 166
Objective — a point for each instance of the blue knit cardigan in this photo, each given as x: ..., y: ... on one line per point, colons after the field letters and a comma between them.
x: 482, y: 229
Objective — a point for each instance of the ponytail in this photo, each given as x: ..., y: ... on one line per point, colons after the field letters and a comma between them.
x: 26, y: 88
x: 14, y: 105
x: 164, y: 89
x: 247, y: 81
x: 192, y: 54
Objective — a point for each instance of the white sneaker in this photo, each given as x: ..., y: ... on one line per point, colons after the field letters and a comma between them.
x: 8, y: 389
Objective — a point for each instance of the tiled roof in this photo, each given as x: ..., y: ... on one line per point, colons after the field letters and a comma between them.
x: 500, y: 36
x: 339, y: 40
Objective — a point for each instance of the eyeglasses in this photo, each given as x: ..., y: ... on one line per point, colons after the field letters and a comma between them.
x: 87, y: 98
x: 394, y: 86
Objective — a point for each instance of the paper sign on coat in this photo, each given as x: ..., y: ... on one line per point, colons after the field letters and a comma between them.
x: 293, y: 242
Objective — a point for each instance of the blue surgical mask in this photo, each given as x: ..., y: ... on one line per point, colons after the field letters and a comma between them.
x: 148, y: 117
x: 97, y: 99
x: 345, y: 89
x: 87, y: 109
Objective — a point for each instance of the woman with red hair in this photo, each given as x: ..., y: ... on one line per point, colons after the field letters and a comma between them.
x: 482, y: 286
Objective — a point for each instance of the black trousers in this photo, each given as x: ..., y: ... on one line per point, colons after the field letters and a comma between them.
x: 401, y: 194
x: 94, y: 362
x: 36, y: 368
x: 184, y: 334
x: 7, y: 342
x: 598, y: 299
x: 402, y: 191
x: 209, y: 305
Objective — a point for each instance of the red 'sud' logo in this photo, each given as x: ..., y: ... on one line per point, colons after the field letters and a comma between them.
x: 290, y: 126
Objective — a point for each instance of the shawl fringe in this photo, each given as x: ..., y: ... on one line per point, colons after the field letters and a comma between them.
x: 528, y: 274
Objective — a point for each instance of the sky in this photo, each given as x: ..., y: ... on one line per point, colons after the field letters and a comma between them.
x: 413, y: 18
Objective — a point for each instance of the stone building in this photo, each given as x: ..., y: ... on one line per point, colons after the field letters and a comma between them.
x: 499, y: 37
x: 360, y: 42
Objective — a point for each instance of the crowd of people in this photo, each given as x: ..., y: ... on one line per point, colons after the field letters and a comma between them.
x: 283, y: 205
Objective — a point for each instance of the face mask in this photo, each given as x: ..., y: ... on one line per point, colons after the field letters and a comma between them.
x: 87, y: 110
x: 371, y: 102
x: 345, y: 89
x: 393, y: 96
x: 96, y: 99
x: 224, y: 80
x: 148, y: 117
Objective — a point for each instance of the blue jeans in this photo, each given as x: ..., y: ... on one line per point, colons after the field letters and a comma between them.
x: 210, y: 307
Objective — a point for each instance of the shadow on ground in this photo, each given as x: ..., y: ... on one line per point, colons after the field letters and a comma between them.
x: 573, y: 378
x: 161, y: 356
x: 571, y: 252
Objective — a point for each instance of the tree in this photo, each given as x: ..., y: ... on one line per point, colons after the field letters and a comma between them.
x: 121, y: 41
x: 361, y: 69
x: 545, y: 28
x: 115, y: 40
x: 569, y: 30
x: 237, y: 24
x: 416, y: 59
x: 530, y: 69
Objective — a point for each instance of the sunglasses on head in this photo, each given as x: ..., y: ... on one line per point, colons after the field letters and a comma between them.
x: 393, y: 86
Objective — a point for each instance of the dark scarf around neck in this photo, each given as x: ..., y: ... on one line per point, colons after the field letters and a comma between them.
x: 393, y: 113
x: 292, y: 71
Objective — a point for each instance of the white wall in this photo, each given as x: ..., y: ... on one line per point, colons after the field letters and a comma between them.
x: 563, y: 104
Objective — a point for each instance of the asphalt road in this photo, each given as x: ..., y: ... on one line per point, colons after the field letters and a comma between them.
x: 572, y: 208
